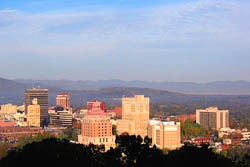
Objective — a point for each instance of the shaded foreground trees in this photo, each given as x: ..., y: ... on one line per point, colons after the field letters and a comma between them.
x: 131, y: 151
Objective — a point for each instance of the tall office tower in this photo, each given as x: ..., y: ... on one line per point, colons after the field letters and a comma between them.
x: 63, y: 100
x: 97, y: 128
x: 213, y: 118
x: 42, y: 98
x: 33, y: 114
x: 135, y: 116
x: 165, y: 134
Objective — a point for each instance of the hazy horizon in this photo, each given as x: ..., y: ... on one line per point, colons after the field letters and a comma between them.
x: 163, y: 41
x: 96, y: 80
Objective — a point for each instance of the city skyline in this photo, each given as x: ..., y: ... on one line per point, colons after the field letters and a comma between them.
x: 163, y: 40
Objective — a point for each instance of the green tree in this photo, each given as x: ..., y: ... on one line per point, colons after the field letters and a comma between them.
x: 196, y: 157
x: 190, y: 130
x: 71, y: 134
x: 131, y: 151
x: 4, y: 148
x: 50, y: 151
x: 22, y: 141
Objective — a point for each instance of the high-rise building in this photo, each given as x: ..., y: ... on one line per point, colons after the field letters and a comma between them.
x: 165, y: 135
x: 63, y: 100
x: 135, y: 116
x: 42, y: 98
x: 97, y: 127
x: 33, y: 114
x: 213, y: 118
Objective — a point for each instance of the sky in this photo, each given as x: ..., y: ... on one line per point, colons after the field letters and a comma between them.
x: 151, y: 40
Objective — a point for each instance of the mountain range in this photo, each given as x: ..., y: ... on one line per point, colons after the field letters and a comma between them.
x: 211, y: 88
x: 111, y: 91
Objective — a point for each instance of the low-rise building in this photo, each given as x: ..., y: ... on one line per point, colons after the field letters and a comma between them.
x: 245, y: 135
x: 61, y: 118
x: 8, y: 109
x: 12, y: 134
x: 224, y: 132
x: 227, y: 141
x: 7, y: 123
x: 117, y: 111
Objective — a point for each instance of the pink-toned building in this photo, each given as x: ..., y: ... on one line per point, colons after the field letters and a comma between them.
x: 63, y: 100
x: 97, y: 127
x: 95, y: 105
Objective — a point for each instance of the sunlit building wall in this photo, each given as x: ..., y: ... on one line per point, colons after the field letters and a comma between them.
x: 213, y: 118
x: 135, y: 116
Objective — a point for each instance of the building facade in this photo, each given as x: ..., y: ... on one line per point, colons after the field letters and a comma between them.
x: 63, y: 100
x: 8, y: 109
x: 213, y: 118
x: 135, y: 116
x: 33, y: 114
x: 61, y: 118
x: 117, y: 111
x: 165, y: 135
x: 97, y: 127
x: 12, y: 134
x: 42, y: 99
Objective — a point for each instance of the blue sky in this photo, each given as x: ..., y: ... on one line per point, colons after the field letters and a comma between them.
x: 160, y: 40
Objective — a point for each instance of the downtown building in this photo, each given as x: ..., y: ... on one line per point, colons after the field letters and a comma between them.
x: 60, y: 117
x: 42, y: 99
x: 165, y: 134
x: 33, y: 114
x: 63, y: 100
x: 135, y: 116
x: 11, y: 134
x: 97, y: 127
x: 213, y: 118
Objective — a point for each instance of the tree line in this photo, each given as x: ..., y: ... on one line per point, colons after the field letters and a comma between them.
x: 130, y: 151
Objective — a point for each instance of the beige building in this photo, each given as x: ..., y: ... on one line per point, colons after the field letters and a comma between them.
x: 213, y: 118
x: 42, y: 98
x: 21, y: 119
x: 10, y: 109
x: 135, y: 116
x: 165, y: 135
x: 245, y: 135
x: 225, y: 132
x: 33, y: 114
x: 97, y: 127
